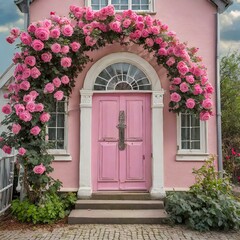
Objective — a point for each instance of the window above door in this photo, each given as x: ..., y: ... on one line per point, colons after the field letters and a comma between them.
x: 121, y: 5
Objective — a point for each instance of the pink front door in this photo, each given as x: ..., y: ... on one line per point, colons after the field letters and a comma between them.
x: 125, y: 165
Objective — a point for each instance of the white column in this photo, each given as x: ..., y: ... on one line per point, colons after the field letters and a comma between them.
x: 85, y: 177
x: 157, y: 190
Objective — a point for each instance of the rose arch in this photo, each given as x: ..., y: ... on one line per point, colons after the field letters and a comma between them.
x: 54, y: 51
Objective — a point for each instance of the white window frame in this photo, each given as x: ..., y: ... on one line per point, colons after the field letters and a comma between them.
x: 62, y: 154
x: 151, y: 6
x: 192, y: 154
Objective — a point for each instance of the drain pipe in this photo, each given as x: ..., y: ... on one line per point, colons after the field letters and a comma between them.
x: 218, y: 98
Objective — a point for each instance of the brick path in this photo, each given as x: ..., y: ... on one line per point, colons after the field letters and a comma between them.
x: 118, y: 232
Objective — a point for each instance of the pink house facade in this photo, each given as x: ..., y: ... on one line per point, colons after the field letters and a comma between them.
x: 115, y: 133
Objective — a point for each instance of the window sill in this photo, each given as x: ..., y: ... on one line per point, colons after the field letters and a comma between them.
x: 60, y: 155
x: 192, y: 157
x: 140, y: 12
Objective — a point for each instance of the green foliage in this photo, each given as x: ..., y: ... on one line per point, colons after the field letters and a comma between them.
x: 49, y: 209
x: 208, y: 205
x: 230, y: 100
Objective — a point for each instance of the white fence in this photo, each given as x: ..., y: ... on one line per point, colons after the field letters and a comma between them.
x: 6, y: 182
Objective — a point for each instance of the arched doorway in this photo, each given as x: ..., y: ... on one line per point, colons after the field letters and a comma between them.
x: 147, y: 87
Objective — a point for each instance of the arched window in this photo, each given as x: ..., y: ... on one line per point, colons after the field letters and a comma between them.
x: 122, y: 76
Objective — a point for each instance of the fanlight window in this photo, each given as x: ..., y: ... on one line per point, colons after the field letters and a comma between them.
x: 122, y: 76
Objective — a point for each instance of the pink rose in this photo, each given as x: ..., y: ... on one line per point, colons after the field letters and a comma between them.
x: 1, y: 139
x: 65, y: 79
x: 175, y: 97
x: 207, y: 103
x: 126, y: 23
x: 145, y: 33
x: 204, y: 116
x: 197, y: 89
x: 65, y: 49
x: 15, y: 32
x: 37, y: 45
x: 90, y: 41
x: 170, y: 61
x: 21, y: 151
x: 75, y: 46
x: 39, y: 169
x: 34, y: 94
x: 49, y: 88
x: 56, y: 48
x: 42, y: 33
x: 115, y: 26
x: 27, y: 98
x: 19, y: 108
x: 26, y: 38
x: 177, y: 81
x: 5, y: 95
x: 25, y: 116
x: 39, y: 107
x: 46, y: 57
x: 67, y: 30
x: 35, y: 130
x: 30, y: 106
x: 16, y: 128
x: 32, y: 28
x: 209, y: 88
x: 7, y: 149
x: 89, y: 14
x: 149, y: 42
x: 44, y: 117
x: 190, y: 79
x: 7, y: 109
x: 204, y: 80
x: 55, y: 33
x: 35, y: 73
x: 162, y: 52
x: 184, y: 87
x: 58, y: 95
x: 66, y: 62
x: 57, y: 82
x: 26, y: 73
x: 190, y: 103
x: 10, y: 39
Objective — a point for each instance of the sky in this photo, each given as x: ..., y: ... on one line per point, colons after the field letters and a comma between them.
x: 11, y: 17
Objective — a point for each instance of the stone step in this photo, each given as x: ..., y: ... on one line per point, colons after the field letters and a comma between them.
x: 121, y: 196
x: 96, y: 216
x: 119, y: 204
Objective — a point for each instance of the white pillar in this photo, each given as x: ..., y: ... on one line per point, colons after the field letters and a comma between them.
x: 157, y: 190
x: 85, y: 176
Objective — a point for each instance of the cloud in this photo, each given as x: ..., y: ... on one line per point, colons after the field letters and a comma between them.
x: 9, y: 12
x: 228, y: 46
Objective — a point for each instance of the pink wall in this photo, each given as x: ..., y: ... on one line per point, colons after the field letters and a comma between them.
x: 194, y: 22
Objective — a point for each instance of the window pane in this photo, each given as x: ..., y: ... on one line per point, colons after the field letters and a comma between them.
x: 52, y: 121
x: 195, y: 133
x: 185, y: 134
x: 186, y: 145
x: 195, y: 145
x: 61, y: 107
x: 60, y: 145
x: 60, y: 120
x: 185, y: 120
x: 194, y: 121
x: 60, y: 134
x: 51, y: 133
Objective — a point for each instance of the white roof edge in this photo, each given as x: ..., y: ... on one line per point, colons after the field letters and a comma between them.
x: 222, y: 4
x: 7, y: 75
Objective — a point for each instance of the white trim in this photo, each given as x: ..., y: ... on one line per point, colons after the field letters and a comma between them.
x: 85, y: 185
x: 192, y: 154
x: 60, y: 154
x: 151, y: 6
x: 7, y: 75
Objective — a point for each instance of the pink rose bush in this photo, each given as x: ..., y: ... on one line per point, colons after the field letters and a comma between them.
x: 54, y: 51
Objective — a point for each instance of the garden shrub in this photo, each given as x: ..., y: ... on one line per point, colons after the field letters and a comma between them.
x: 208, y: 205
x: 49, y: 209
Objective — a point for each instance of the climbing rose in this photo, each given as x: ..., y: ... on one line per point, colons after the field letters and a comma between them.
x: 26, y: 38
x: 10, y: 39
x: 34, y: 94
x: 49, y: 88
x: 21, y: 151
x: 67, y: 30
x: 16, y: 128
x: 65, y: 49
x: 7, y: 149
x: 35, y: 130
x: 25, y: 116
x: 204, y: 116
x: 175, y: 97
x: 66, y: 62
x: 37, y: 45
x: 46, y: 57
x: 197, y: 89
x: 190, y: 103
x: 58, y: 95
x: 75, y: 46
x: 65, y: 79
x: 90, y: 41
x: 15, y: 32
x: 7, y: 109
x: 44, y: 117
x: 31, y: 106
x: 56, y: 48
x: 190, y: 79
x: 55, y: 33
x: 42, y: 33
x: 1, y: 139
x: 30, y: 60
x: 24, y: 85
x: 177, y: 81
x: 39, y: 107
x: 19, y: 108
x: 39, y: 169
x: 184, y: 87
x: 57, y: 82
x: 207, y: 103
x: 35, y: 73
x: 170, y: 61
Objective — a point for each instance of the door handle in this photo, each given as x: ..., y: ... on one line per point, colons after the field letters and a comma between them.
x: 121, y: 131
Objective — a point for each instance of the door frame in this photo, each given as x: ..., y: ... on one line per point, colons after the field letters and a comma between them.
x: 85, y: 161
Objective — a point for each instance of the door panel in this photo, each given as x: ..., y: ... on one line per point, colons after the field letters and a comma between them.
x: 128, y: 168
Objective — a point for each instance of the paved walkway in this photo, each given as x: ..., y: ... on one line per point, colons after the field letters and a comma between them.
x: 118, y: 232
